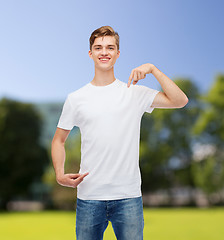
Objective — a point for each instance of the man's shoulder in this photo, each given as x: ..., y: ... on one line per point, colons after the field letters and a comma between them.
x: 78, y: 92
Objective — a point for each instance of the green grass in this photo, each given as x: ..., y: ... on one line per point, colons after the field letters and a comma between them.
x: 160, y: 224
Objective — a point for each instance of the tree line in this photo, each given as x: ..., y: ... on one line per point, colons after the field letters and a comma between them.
x: 178, y: 147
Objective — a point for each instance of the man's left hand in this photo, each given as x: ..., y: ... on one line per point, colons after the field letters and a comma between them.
x: 140, y: 73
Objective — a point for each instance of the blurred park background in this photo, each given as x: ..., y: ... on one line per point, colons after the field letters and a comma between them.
x: 44, y: 56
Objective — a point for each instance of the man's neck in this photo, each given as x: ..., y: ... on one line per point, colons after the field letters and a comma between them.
x: 103, y: 78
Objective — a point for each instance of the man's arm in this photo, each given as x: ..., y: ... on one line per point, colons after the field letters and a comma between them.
x: 58, y: 159
x: 172, y: 97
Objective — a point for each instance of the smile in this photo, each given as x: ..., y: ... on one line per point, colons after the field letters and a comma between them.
x: 104, y: 59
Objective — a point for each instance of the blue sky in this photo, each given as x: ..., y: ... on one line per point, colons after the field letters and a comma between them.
x: 44, y: 43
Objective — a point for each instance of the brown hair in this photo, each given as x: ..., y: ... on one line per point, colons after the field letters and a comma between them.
x: 103, y: 31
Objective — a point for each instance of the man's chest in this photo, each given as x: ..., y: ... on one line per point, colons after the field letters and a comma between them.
x: 106, y: 109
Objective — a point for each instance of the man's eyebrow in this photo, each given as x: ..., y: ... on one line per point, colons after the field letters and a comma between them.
x: 101, y: 45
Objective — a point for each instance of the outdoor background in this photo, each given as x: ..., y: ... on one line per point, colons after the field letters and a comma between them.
x: 44, y: 56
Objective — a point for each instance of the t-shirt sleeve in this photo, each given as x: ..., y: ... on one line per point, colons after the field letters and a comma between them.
x: 145, y: 97
x: 68, y: 118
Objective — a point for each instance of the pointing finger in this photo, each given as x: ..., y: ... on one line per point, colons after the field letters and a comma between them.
x: 80, y: 179
x: 130, y: 78
x: 84, y: 175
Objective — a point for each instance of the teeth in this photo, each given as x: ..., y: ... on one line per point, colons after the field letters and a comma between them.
x: 104, y: 59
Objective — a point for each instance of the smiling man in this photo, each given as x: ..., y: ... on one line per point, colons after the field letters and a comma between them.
x: 108, y: 113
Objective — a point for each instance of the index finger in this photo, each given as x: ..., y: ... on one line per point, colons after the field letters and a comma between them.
x: 83, y: 175
x: 80, y: 179
x: 130, y: 78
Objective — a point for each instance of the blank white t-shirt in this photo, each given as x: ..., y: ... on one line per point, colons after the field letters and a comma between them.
x: 109, y: 120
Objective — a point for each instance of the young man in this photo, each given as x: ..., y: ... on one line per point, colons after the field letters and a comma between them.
x: 108, y: 113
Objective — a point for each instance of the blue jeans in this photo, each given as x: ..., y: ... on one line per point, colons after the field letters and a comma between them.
x: 126, y: 216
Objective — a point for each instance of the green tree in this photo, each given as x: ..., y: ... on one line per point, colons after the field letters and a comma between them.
x: 166, y: 153
x: 209, y: 171
x: 22, y: 158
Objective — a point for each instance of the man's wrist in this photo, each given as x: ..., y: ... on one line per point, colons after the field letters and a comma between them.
x: 150, y: 68
x: 59, y: 175
x: 153, y: 68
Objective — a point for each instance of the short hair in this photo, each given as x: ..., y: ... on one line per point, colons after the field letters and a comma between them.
x: 103, y: 31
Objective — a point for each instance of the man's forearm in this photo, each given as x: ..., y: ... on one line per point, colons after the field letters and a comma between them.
x: 172, y: 91
x: 58, y: 157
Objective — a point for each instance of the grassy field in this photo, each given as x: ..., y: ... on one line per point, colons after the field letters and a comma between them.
x: 160, y: 224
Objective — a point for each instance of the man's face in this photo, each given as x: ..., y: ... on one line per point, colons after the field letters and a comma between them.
x: 104, y: 52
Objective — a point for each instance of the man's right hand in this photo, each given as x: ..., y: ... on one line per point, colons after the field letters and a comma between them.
x: 71, y: 179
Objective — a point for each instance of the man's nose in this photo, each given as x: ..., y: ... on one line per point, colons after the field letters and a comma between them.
x: 104, y: 51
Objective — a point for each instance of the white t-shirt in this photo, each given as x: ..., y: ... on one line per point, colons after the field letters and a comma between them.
x: 109, y: 120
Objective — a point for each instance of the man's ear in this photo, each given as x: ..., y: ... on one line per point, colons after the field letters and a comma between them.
x: 90, y: 54
x: 118, y: 54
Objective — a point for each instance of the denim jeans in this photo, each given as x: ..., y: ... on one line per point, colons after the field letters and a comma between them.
x: 126, y: 216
